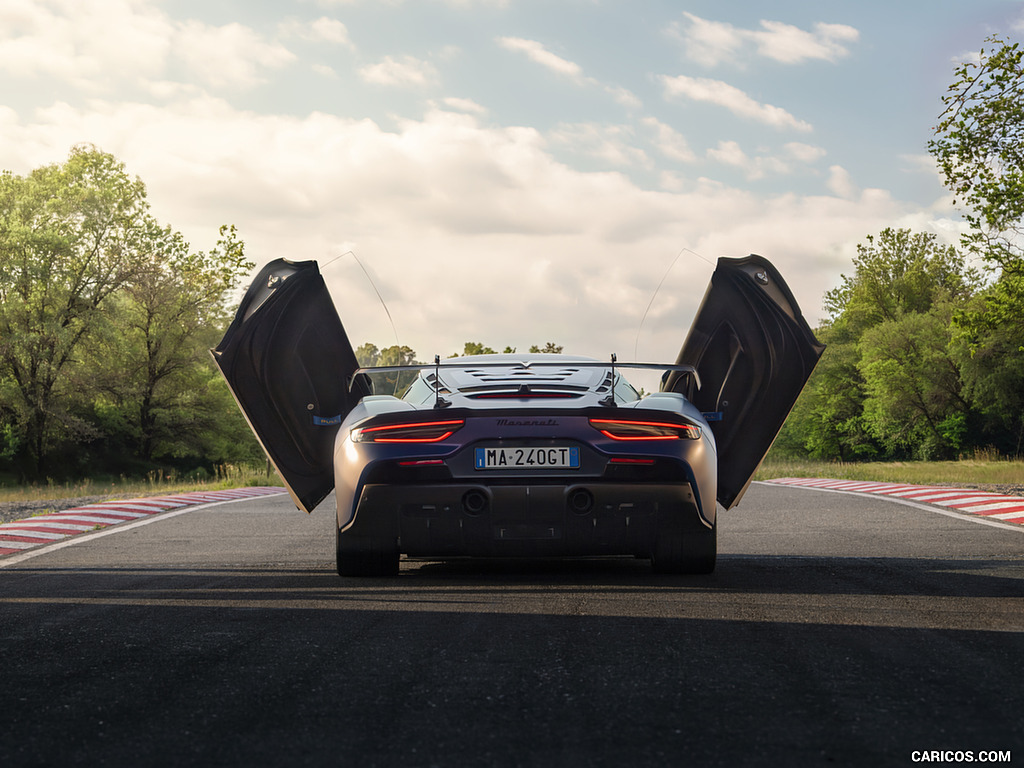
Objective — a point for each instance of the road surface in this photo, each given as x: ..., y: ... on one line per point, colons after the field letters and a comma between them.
x: 837, y: 629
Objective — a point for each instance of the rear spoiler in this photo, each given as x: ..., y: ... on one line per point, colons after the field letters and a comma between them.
x: 687, y: 371
x: 613, y: 364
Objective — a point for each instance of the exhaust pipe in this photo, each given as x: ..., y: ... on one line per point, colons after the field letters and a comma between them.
x: 474, y: 502
x: 581, y: 501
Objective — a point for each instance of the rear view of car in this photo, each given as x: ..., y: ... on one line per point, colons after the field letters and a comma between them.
x: 519, y: 455
x: 523, y: 459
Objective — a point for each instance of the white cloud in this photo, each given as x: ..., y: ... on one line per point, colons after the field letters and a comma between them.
x: 669, y: 142
x: 794, y: 156
x: 87, y: 47
x: 474, y: 231
x: 840, y: 184
x: 804, y: 153
x: 792, y: 45
x: 232, y: 55
x: 622, y: 96
x: 464, y: 105
x: 708, y: 42
x: 923, y: 164
x: 99, y: 45
x: 450, y: 3
x: 729, y: 153
x: 711, y: 43
x: 967, y: 57
x: 448, y: 53
x: 324, y: 70
x: 733, y: 99
x: 167, y: 90
x: 538, y: 54
x: 322, y: 30
x: 670, y: 181
x: 330, y: 31
x: 404, y: 71
x: 471, y: 3
x: 613, y: 144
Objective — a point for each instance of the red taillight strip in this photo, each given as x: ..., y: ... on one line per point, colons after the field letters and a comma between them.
x: 421, y: 463
x: 639, y: 437
x: 437, y: 439
x: 622, y: 460
x: 367, y: 434
x: 688, y: 431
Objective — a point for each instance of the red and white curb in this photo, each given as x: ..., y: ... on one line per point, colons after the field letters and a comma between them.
x: 992, y: 506
x: 57, y: 526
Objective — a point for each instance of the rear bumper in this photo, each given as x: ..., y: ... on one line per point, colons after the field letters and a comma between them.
x: 449, y: 519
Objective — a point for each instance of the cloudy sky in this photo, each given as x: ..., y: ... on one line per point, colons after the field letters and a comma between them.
x: 508, y: 171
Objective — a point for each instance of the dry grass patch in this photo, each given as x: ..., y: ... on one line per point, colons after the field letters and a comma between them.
x: 966, y: 472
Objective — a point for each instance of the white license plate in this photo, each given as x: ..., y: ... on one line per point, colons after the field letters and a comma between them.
x: 526, y: 457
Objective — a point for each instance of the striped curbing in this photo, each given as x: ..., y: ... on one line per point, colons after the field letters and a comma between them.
x: 47, y: 529
x: 994, y: 506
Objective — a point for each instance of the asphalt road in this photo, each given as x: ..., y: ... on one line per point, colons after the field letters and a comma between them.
x: 836, y: 630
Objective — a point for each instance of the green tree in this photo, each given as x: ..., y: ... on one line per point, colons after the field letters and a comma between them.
x: 397, y: 355
x: 913, y: 386
x: 367, y: 355
x: 70, y: 236
x: 474, y: 348
x: 827, y: 421
x: 989, y: 348
x: 392, y: 382
x: 896, y: 273
x: 853, y: 406
x: 979, y: 146
x: 550, y: 348
x: 153, y: 367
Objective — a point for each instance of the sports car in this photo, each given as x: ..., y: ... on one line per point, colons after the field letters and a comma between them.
x: 519, y: 455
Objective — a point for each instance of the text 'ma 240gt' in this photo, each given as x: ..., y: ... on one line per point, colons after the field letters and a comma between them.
x: 520, y: 455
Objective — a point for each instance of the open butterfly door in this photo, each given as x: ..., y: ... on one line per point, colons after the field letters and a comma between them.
x: 288, y: 362
x: 754, y: 352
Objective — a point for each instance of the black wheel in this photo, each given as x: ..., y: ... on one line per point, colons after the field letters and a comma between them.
x: 685, y: 552
x: 364, y: 557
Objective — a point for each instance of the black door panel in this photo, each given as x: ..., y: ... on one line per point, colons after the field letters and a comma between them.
x: 288, y: 362
x: 754, y: 352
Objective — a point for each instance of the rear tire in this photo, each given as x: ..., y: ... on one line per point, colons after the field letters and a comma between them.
x: 366, y: 557
x: 687, y: 552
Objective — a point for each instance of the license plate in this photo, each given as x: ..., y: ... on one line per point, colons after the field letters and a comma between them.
x: 526, y: 457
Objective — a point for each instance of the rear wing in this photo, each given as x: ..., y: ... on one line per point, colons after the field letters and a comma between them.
x: 687, y: 372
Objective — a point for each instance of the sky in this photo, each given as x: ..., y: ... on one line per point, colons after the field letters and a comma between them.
x: 510, y: 172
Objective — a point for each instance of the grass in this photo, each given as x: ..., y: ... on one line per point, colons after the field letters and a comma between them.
x: 974, y: 471
x: 155, y: 484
